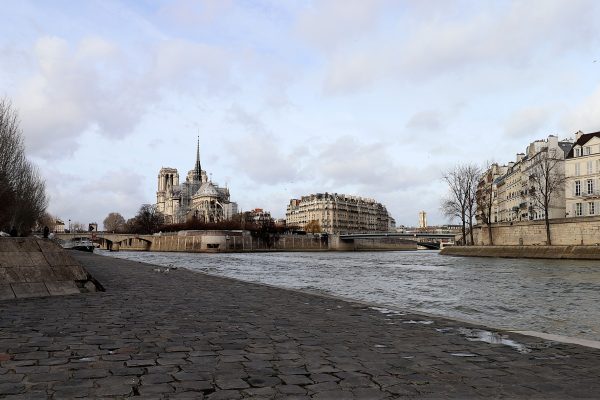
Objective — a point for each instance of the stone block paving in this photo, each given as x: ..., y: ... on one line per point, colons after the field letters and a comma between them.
x: 186, y: 335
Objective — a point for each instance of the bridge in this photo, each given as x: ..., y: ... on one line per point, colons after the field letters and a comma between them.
x: 111, y: 241
x: 424, y: 239
x: 230, y: 240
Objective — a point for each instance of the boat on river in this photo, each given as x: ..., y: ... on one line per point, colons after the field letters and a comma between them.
x: 81, y: 244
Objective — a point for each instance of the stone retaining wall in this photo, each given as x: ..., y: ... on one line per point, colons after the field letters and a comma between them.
x: 563, y: 231
x: 31, y: 267
x: 557, y: 252
x: 226, y: 243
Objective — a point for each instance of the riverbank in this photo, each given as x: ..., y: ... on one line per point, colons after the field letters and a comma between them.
x: 550, y: 252
x: 183, y: 334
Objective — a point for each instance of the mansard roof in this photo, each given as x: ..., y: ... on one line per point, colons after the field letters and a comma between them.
x: 583, y: 139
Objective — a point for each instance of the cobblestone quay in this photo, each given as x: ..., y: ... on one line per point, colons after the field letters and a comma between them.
x: 183, y: 334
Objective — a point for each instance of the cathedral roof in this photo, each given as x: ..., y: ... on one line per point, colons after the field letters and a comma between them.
x: 207, y: 190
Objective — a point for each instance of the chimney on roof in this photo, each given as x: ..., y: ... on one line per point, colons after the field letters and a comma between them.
x: 520, y: 156
x: 578, y: 135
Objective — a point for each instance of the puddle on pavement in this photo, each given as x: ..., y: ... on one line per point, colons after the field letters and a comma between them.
x: 464, y: 354
x: 480, y: 335
x: 412, y: 321
x: 386, y: 311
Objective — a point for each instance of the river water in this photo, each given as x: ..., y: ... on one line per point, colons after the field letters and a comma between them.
x: 554, y: 296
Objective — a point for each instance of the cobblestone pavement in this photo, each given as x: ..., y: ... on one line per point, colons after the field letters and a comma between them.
x: 187, y: 335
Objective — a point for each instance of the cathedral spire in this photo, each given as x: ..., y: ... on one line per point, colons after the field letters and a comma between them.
x: 197, y: 168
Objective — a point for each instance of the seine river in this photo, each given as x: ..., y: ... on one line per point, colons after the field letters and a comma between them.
x: 554, y: 296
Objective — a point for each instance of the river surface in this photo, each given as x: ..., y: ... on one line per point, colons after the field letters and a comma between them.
x: 554, y: 296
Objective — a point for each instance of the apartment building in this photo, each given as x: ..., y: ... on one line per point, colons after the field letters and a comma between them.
x: 487, y: 191
x: 339, y: 213
x: 516, y: 188
x: 582, y: 185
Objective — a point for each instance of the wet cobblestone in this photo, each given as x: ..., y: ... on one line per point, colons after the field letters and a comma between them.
x: 187, y: 335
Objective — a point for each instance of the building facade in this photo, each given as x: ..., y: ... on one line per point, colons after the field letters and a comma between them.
x: 582, y: 183
x: 339, y: 213
x: 198, y: 197
x: 487, y: 193
x: 517, y: 189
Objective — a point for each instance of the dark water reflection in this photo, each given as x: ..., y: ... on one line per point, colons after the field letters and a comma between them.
x: 554, y: 296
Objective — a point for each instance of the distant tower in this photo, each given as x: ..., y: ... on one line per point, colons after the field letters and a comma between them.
x: 422, y: 219
x: 197, y: 167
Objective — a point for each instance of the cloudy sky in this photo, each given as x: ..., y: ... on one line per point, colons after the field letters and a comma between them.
x: 373, y: 98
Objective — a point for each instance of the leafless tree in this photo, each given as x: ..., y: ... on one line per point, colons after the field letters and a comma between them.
x: 472, y: 174
x: 313, y: 226
x: 47, y: 220
x: 114, y: 222
x: 454, y: 205
x: 22, y: 189
x: 460, y: 202
x: 485, y: 197
x: 148, y: 220
x: 546, y: 180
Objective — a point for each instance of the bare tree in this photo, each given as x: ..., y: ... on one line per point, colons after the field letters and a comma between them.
x: 22, y: 189
x: 148, y: 220
x: 455, y: 204
x: 460, y: 202
x: 313, y: 226
x: 546, y: 180
x: 485, y: 198
x: 472, y: 174
x: 114, y: 222
x: 47, y: 220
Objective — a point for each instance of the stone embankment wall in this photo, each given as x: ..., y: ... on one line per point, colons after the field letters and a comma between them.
x: 558, y: 252
x: 235, y: 241
x: 563, y: 231
x: 370, y: 244
x: 31, y: 267
x: 229, y: 243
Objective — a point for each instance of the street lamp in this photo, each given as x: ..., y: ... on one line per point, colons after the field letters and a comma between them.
x: 69, y: 225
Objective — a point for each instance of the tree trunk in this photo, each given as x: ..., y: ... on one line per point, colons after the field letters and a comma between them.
x: 490, y: 234
x: 464, y: 232
x: 471, y: 231
x: 548, y: 240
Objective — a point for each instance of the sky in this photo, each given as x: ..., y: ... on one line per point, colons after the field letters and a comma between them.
x: 371, y: 98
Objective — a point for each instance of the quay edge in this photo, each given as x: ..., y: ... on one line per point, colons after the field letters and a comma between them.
x: 549, y: 252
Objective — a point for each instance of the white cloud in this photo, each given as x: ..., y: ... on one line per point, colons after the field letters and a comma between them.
x: 528, y: 122
x: 260, y: 158
x: 329, y: 23
x: 584, y: 116
x: 95, y: 86
x: 506, y: 36
x: 427, y: 120
x: 369, y: 167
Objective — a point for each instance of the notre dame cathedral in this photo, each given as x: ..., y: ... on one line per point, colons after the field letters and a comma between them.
x: 197, y: 197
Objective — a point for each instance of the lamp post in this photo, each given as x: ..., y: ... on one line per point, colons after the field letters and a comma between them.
x: 69, y: 225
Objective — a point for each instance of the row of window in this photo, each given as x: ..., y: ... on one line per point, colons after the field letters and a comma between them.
x: 589, y: 208
x: 589, y: 167
x: 588, y: 188
x: 582, y: 151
